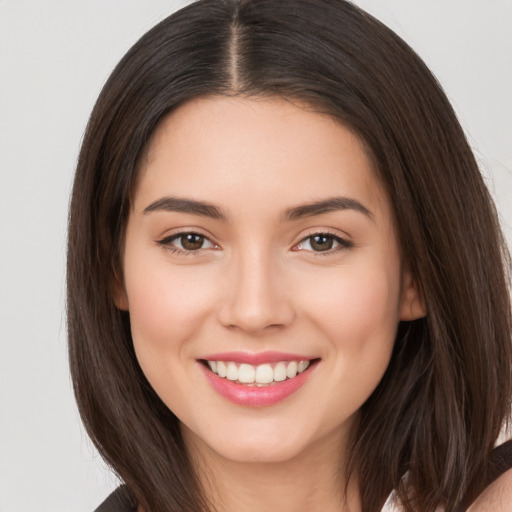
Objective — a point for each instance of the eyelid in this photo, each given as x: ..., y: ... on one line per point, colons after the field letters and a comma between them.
x: 166, y: 240
x: 344, y: 242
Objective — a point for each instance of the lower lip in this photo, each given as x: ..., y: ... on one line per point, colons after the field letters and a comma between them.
x: 257, y: 396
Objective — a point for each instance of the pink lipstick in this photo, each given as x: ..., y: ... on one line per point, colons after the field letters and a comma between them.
x: 257, y: 379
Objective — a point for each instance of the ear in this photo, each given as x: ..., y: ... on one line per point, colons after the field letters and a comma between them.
x: 119, y: 293
x: 412, y: 302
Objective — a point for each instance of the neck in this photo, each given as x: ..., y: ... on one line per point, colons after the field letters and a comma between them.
x: 312, y: 481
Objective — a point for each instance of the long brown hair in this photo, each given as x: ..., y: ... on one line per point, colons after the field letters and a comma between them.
x: 437, y: 412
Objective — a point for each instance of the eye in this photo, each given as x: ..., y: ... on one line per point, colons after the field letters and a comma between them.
x: 187, y: 242
x: 323, y: 242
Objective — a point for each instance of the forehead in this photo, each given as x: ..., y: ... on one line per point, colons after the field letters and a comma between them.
x: 255, y: 147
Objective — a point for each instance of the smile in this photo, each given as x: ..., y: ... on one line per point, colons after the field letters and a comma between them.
x: 257, y: 380
x: 260, y: 375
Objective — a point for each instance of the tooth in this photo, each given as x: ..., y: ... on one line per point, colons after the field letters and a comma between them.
x: 264, y: 374
x: 232, y: 372
x: 221, y: 369
x: 302, y: 366
x: 246, y: 373
x: 291, y: 370
x: 280, y: 372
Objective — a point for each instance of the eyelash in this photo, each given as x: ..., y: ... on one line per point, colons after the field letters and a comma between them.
x: 167, y: 243
x: 343, y: 244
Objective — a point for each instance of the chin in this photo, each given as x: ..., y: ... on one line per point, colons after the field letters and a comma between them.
x: 256, y: 452
x: 264, y: 442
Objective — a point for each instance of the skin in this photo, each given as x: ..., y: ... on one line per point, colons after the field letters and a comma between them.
x: 258, y: 283
x: 497, y: 497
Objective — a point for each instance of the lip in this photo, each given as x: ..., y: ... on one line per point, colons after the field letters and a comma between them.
x: 256, y: 358
x: 254, y: 396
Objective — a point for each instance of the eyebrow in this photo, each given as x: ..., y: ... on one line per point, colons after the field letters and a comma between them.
x: 182, y: 205
x: 329, y: 205
x: 194, y: 207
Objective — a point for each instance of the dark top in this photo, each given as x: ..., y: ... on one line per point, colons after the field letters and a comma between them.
x: 501, y: 460
x: 119, y: 501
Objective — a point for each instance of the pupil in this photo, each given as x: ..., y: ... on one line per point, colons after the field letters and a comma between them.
x: 321, y: 242
x: 192, y: 242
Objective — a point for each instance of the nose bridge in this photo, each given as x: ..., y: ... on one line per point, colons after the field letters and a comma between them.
x: 256, y: 298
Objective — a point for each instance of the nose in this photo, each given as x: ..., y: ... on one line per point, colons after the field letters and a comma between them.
x: 256, y: 296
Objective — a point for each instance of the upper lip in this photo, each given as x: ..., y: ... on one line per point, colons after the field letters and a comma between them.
x: 256, y: 358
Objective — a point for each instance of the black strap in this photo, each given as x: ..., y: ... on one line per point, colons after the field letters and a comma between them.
x: 120, y: 500
x: 501, y: 461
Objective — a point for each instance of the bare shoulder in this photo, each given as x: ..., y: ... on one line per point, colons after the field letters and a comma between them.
x: 497, y: 497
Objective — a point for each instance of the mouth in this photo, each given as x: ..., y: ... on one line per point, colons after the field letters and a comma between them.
x: 257, y: 375
x: 257, y: 385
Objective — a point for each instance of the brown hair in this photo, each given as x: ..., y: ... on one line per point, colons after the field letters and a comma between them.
x: 438, y: 410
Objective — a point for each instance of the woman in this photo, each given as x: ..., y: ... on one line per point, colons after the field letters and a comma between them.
x: 286, y: 280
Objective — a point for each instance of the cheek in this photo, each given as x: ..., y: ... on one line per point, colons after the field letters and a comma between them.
x: 167, y: 307
x: 357, y: 314
x: 360, y: 302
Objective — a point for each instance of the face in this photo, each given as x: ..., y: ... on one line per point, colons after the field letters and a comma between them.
x: 262, y: 276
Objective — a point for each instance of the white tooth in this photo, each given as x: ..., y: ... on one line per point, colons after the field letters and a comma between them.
x: 221, y: 369
x: 280, y: 372
x: 291, y: 370
x: 302, y: 366
x: 232, y: 372
x: 264, y: 374
x: 213, y: 366
x: 246, y: 373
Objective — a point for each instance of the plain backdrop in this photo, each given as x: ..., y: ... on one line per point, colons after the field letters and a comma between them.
x: 54, y: 57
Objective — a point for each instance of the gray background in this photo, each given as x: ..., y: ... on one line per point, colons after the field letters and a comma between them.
x: 54, y: 57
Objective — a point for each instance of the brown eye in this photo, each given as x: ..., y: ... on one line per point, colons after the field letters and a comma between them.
x: 187, y: 243
x: 191, y: 241
x: 321, y: 242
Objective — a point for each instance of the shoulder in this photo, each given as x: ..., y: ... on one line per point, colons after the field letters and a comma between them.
x: 497, y: 497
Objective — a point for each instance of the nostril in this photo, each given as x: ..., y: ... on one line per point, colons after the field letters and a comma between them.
x: 256, y: 319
